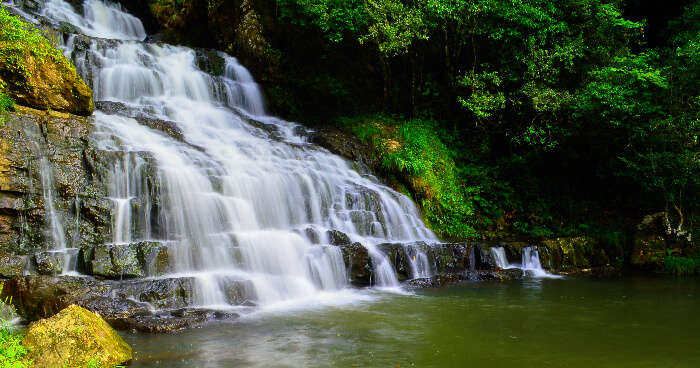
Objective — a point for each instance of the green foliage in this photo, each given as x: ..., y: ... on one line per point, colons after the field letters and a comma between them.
x: 6, y: 102
x: 12, y: 353
x: 337, y: 19
x: 681, y: 266
x: 413, y: 150
x: 21, y: 47
x: 11, y: 350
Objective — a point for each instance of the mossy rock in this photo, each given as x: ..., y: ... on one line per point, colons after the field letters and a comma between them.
x: 75, y: 337
x: 35, y: 73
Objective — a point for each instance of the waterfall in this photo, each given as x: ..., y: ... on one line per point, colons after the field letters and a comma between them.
x: 531, y: 263
x: 232, y: 193
x: 54, y: 219
x: 499, y: 257
x: 102, y: 19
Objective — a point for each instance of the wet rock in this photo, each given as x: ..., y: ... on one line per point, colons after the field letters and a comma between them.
x: 12, y: 265
x: 439, y: 280
x: 116, y: 261
x: 49, y: 263
x: 63, y: 140
x: 348, y: 146
x: 336, y: 237
x: 43, y: 296
x: 75, y: 337
x: 499, y: 275
x: 312, y: 235
x: 114, y: 309
x: 168, y: 127
x: 210, y: 61
x: 452, y: 257
x: 171, y: 321
x: 115, y: 108
x: 237, y: 292
x: 166, y: 293
x: 396, y: 253
x: 153, y: 258
x: 358, y: 263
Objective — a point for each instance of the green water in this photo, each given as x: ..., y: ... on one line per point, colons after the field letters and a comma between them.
x: 539, y: 323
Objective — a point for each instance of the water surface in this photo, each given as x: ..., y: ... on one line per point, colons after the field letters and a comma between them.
x: 537, y: 323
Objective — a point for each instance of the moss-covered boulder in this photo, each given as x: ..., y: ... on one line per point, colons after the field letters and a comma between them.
x: 35, y: 73
x: 75, y: 337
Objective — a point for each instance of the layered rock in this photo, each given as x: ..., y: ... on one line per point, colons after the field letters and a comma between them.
x: 79, y: 173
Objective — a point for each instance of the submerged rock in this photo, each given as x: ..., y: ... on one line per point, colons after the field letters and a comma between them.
x: 75, y: 337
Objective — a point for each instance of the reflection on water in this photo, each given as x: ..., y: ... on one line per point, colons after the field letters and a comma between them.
x: 538, y: 323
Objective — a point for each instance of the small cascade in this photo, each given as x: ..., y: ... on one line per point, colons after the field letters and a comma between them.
x: 531, y: 263
x: 54, y: 219
x: 241, y: 89
x: 102, y: 19
x: 499, y: 257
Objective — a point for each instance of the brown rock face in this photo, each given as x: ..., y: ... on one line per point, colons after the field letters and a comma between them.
x: 51, y: 86
x: 35, y: 73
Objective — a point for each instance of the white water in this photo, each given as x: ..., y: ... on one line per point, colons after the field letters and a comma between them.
x: 531, y: 263
x: 232, y: 202
x: 499, y: 257
x: 102, y: 19
x: 55, y: 221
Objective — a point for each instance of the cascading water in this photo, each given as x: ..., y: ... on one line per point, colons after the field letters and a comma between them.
x: 55, y: 222
x: 499, y: 257
x: 531, y: 263
x: 232, y: 201
x: 102, y: 19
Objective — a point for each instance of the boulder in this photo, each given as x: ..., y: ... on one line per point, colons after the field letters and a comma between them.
x: 336, y: 237
x: 49, y: 263
x: 75, y: 337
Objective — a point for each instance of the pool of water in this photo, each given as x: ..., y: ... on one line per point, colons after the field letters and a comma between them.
x: 537, y: 323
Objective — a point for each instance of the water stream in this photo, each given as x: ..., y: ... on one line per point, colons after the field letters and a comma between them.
x: 237, y: 197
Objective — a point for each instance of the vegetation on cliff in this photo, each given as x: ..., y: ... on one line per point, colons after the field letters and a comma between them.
x: 502, y: 119
x: 561, y: 118
x: 35, y: 73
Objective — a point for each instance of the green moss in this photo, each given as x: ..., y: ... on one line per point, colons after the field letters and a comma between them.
x: 35, y: 73
x: 17, y: 36
x: 413, y: 151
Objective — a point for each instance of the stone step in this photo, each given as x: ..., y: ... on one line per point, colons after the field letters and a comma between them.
x: 130, y: 260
